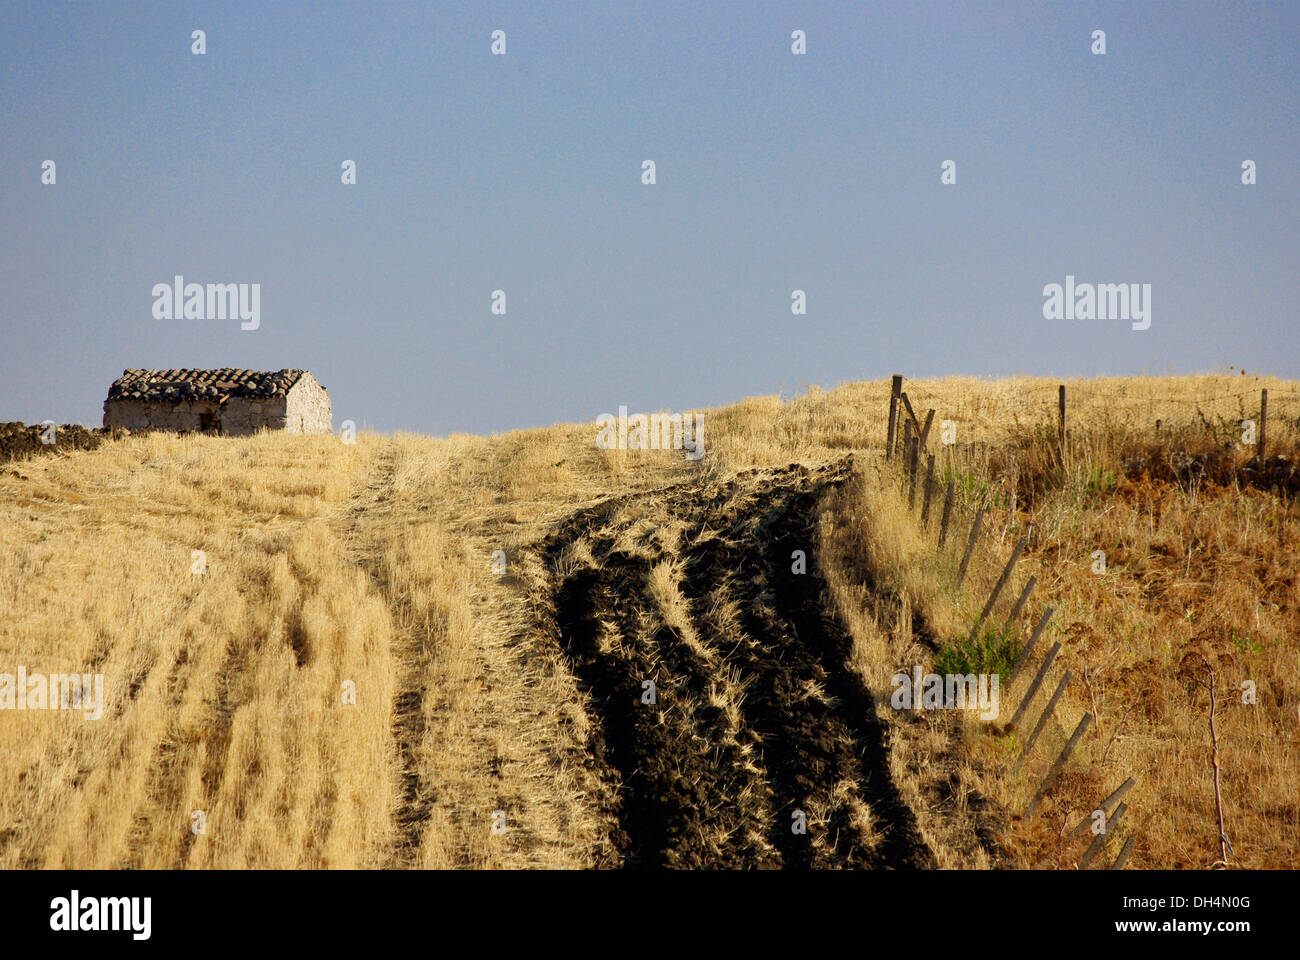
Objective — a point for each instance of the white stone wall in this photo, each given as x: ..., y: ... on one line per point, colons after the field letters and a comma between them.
x: 237, y: 417
x: 242, y: 416
x: 308, y: 407
x: 187, y: 415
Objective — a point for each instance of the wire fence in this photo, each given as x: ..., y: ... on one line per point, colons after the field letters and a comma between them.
x: 1241, y: 416
x: 1250, y: 435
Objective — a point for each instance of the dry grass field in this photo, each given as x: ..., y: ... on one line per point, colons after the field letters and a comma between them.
x: 344, y: 675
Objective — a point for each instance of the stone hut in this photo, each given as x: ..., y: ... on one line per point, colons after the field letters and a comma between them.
x: 226, y: 401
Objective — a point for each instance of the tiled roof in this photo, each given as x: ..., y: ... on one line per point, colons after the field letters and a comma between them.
x: 175, y: 385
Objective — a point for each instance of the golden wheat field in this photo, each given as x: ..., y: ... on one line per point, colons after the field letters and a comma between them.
x: 524, y: 651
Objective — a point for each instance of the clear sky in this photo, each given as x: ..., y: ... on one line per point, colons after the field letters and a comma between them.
x: 522, y: 172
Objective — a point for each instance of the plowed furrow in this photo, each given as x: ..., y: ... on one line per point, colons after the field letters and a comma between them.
x: 756, y: 726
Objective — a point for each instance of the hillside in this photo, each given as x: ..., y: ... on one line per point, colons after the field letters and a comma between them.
x: 412, y: 651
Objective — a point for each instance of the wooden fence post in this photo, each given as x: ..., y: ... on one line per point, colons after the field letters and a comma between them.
x: 925, y: 429
x: 1124, y: 853
x: 912, y: 470
x: 1024, y: 654
x: 911, y: 414
x: 970, y: 544
x: 1050, y: 780
x: 947, y: 514
x: 1104, y: 806
x: 1100, y: 839
x: 1060, y: 400
x: 1263, y: 423
x: 929, y: 490
x: 895, y: 388
x: 906, y: 444
x: 1042, y: 721
x: 1038, y: 682
x: 1020, y: 603
x: 997, y: 589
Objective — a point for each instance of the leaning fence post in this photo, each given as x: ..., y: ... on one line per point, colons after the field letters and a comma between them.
x: 912, y: 470
x: 929, y: 490
x: 997, y: 589
x: 925, y: 430
x: 970, y: 545
x: 1020, y: 603
x: 947, y: 513
x: 1042, y: 721
x: 1038, y: 682
x: 1124, y: 853
x: 895, y: 388
x: 1024, y: 654
x: 1099, y: 840
x: 906, y: 445
x: 1105, y: 806
x: 911, y: 414
x: 1050, y: 780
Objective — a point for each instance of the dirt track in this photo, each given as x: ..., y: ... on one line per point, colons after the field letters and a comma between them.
x: 755, y: 717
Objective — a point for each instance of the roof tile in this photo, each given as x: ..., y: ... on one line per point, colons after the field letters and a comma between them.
x: 173, y: 384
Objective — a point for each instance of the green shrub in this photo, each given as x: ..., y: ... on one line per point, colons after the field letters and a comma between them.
x: 992, y: 651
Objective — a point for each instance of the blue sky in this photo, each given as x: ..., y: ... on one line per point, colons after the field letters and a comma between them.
x: 522, y: 172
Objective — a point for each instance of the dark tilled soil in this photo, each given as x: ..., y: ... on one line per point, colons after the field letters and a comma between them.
x: 700, y: 782
x: 21, y: 441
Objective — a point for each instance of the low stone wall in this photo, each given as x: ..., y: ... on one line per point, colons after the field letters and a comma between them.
x: 19, y: 441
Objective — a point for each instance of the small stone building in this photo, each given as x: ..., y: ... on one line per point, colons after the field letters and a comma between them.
x: 227, y: 401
